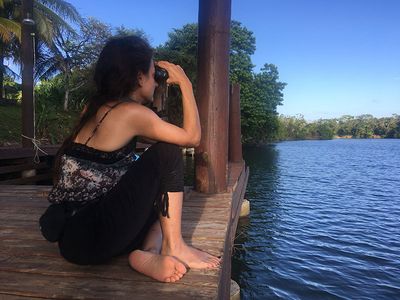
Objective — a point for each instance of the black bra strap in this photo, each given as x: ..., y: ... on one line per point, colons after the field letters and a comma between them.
x: 101, y: 120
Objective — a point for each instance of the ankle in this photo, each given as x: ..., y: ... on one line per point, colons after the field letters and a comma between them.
x: 154, y: 250
x: 172, y: 244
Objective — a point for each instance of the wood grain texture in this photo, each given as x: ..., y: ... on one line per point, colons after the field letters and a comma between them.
x: 32, y: 268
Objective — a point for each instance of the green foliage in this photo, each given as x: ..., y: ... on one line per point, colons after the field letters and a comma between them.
x: 243, y: 45
x: 364, y: 126
x: 10, y: 124
x: 260, y: 93
x: 65, y: 71
x: 325, y: 129
x: 54, y: 126
x: 50, y: 93
x: 51, y: 21
x: 181, y: 49
x: 12, y: 89
x: 51, y: 126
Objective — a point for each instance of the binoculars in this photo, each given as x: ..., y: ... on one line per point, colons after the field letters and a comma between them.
x: 160, y: 75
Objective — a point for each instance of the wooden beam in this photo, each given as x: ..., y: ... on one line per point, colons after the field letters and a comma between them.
x: 213, y: 95
x: 18, y: 152
x: 28, y: 35
x: 235, y: 132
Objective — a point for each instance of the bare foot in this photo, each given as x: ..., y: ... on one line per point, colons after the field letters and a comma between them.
x: 191, y: 257
x: 160, y: 267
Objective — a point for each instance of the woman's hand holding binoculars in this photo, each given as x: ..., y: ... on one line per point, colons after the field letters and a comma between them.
x: 175, y: 73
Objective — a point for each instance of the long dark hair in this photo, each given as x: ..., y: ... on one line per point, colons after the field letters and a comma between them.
x: 115, y: 77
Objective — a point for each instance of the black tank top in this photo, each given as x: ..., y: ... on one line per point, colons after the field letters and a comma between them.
x: 87, y: 173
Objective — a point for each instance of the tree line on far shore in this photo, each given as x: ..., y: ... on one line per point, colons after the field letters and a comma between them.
x: 363, y: 126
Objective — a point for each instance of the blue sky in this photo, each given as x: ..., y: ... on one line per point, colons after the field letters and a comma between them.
x: 337, y: 56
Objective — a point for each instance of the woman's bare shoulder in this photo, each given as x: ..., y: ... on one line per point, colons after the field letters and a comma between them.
x: 120, y: 111
x: 135, y: 110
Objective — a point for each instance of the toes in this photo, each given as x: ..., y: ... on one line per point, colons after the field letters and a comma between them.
x: 180, y: 268
x: 172, y: 278
x: 213, y: 264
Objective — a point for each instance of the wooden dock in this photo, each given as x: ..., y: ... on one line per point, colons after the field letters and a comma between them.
x: 31, y: 267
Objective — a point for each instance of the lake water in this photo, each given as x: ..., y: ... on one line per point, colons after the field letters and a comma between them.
x: 324, y: 221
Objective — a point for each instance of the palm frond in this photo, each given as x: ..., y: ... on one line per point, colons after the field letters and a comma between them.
x: 61, y: 8
x: 8, y: 28
x: 47, y: 73
x: 44, y: 27
x: 3, y: 3
x: 52, y: 17
x: 10, y: 72
x: 47, y: 63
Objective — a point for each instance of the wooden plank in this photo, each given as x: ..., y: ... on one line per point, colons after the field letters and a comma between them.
x: 12, y: 297
x: 34, y: 241
x: 28, y: 180
x: 22, y: 167
x: 70, y: 287
x: 116, y: 269
x: 36, y: 265
x: 240, y: 186
x: 19, y: 152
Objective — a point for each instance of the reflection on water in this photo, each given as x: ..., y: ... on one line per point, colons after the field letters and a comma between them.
x: 261, y: 161
x: 324, y: 221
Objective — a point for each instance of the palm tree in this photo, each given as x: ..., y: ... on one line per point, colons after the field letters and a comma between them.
x: 8, y: 28
x: 72, y: 56
x: 10, y: 33
x: 50, y: 19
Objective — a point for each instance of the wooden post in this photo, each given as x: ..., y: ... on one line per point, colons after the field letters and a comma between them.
x: 213, y: 95
x: 235, y: 133
x: 27, y: 51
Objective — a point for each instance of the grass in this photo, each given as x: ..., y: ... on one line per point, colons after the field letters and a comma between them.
x: 10, y: 125
x: 52, y: 125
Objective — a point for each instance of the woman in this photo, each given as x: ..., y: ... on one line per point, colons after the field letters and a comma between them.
x: 112, y: 202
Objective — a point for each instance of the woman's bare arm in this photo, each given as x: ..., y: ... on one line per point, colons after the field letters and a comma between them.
x: 146, y: 123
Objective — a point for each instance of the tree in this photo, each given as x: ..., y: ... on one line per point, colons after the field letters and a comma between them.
x: 243, y: 45
x: 50, y: 19
x: 72, y: 59
x: 73, y: 52
x: 326, y: 129
x: 345, y: 125
x: 181, y: 49
x: 260, y: 93
x: 12, y: 89
x: 10, y: 34
x: 294, y: 128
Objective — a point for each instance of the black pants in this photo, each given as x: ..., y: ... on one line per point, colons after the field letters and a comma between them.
x: 118, y: 222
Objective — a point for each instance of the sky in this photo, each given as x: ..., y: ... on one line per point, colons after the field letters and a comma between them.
x: 338, y: 57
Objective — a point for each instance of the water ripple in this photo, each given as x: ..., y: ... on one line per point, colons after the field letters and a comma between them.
x: 325, y: 221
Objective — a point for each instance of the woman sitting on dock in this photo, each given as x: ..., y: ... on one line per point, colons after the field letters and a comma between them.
x: 112, y: 201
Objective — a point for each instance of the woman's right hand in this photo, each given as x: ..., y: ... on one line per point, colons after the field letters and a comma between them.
x: 144, y: 122
x: 176, y: 73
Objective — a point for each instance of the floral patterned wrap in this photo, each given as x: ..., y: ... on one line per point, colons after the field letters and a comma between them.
x: 83, y: 180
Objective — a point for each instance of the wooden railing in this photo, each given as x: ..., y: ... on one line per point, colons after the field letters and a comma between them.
x: 25, y: 166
